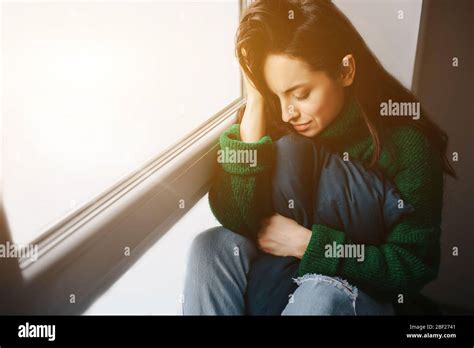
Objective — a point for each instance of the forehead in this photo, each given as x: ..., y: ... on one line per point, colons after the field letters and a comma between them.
x: 282, y: 72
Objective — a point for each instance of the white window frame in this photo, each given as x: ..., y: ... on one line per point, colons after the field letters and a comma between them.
x: 83, y: 254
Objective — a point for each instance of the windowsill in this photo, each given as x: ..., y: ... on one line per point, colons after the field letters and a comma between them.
x: 153, y: 285
x: 91, y: 256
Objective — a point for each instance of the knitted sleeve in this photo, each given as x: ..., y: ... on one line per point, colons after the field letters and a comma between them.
x: 240, y: 194
x: 409, y: 257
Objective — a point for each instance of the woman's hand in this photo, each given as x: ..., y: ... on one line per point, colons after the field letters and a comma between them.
x: 252, y: 126
x: 282, y: 236
x: 252, y: 94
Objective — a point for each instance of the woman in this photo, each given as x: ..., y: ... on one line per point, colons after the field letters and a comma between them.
x: 308, y: 74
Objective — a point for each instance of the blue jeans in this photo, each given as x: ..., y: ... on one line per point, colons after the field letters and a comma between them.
x: 217, y: 283
x: 227, y: 274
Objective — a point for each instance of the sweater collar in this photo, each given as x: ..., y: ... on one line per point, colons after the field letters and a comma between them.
x: 349, y: 118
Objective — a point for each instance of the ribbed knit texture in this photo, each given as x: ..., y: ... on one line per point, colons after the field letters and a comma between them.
x: 241, y: 195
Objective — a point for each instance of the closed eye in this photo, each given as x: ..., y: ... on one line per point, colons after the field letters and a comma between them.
x: 302, y: 97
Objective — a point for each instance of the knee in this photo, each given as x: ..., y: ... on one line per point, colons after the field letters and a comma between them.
x: 215, y: 243
x: 295, y: 155
x: 205, y: 240
x: 293, y: 175
x: 291, y: 144
x: 323, y: 295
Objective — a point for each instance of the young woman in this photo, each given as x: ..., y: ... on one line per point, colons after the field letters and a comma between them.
x: 315, y: 94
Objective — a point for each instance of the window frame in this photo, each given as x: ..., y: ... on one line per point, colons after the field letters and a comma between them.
x: 82, y: 254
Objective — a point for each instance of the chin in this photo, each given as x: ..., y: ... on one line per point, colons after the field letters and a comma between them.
x: 311, y: 132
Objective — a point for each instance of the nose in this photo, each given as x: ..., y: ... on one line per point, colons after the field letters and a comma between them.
x: 288, y: 112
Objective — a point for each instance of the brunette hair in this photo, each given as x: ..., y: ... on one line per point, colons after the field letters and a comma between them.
x: 318, y: 33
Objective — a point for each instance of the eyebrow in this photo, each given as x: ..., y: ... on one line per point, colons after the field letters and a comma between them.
x: 294, y: 87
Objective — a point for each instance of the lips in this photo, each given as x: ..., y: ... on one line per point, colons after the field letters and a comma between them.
x: 302, y: 126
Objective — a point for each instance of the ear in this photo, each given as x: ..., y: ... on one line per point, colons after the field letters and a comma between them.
x: 348, y: 70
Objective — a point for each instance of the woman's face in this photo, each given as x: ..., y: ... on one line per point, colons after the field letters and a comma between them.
x: 310, y: 100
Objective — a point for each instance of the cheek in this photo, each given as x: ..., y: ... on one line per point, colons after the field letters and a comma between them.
x: 323, y: 106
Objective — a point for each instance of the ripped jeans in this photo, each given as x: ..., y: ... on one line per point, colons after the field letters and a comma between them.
x: 227, y: 275
x: 217, y: 283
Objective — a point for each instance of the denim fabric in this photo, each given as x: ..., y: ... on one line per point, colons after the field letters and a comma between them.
x: 227, y: 275
x: 217, y: 284
x: 325, y: 189
x: 314, y: 186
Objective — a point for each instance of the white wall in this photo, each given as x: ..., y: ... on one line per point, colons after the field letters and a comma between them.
x: 153, y: 285
x: 393, y: 40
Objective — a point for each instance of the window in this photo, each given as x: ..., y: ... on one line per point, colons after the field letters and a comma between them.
x: 92, y: 90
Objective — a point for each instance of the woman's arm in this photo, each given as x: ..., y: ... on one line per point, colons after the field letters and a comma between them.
x: 409, y: 258
x: 240, y: 194
x: 252, y: 126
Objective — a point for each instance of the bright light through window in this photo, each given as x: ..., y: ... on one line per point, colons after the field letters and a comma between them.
x: 91, y: 90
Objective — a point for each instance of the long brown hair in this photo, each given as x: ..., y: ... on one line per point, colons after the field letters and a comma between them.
x: 317, y: 32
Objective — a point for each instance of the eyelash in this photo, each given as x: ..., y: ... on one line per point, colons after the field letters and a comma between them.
x: 303, y: 97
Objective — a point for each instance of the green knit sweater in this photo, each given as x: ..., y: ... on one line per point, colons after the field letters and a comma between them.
x: 410, y: 255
